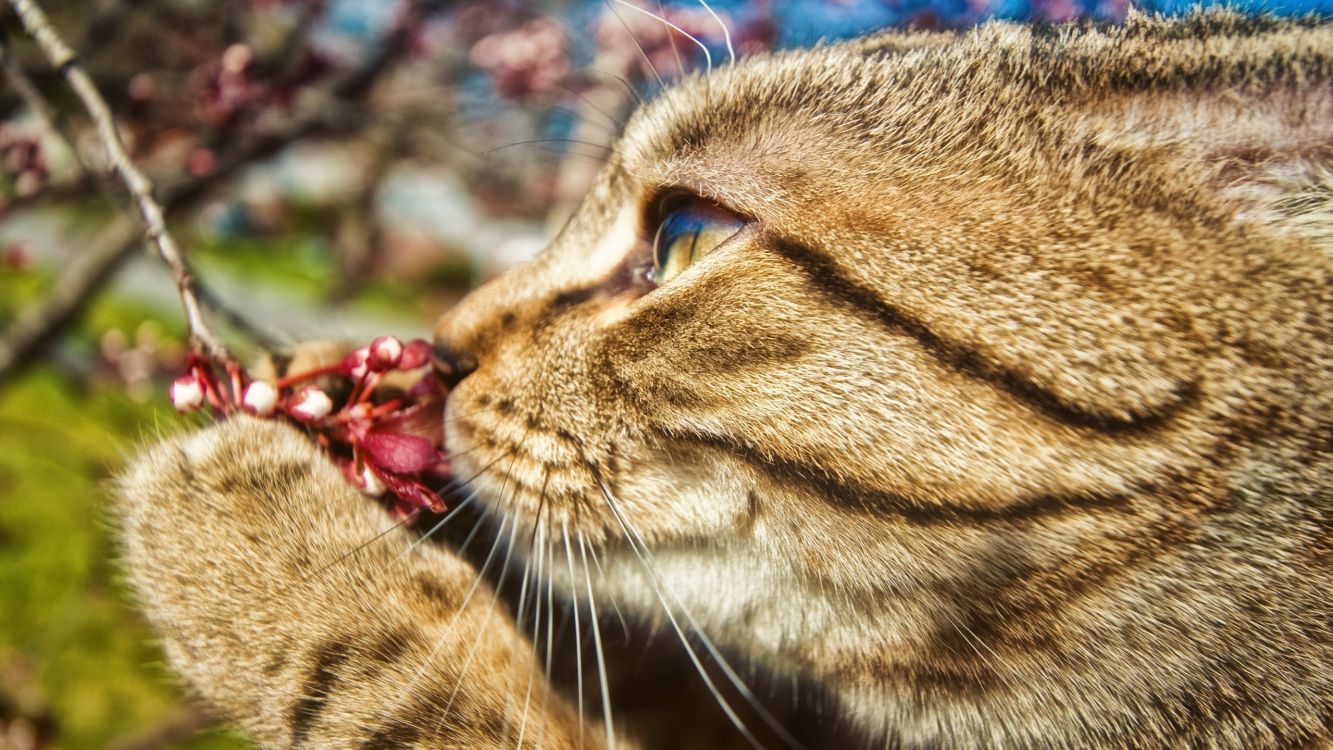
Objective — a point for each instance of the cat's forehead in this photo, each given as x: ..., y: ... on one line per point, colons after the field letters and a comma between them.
x: 1018, y: 108
x: 893, y: 107
x: 772, y: 135
x: 756, y: 102
x: 737, y: 133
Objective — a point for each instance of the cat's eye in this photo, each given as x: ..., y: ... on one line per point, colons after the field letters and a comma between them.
x: 689, y: 230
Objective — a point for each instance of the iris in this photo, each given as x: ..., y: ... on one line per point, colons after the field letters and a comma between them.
x: 687, y: 233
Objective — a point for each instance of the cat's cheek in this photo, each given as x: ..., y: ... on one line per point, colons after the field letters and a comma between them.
x: 686, y: 495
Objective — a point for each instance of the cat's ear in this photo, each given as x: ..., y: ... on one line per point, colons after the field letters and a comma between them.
x: 1256, y: 132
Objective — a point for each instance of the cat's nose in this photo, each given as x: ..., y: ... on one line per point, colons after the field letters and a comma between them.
x: 451, y: 365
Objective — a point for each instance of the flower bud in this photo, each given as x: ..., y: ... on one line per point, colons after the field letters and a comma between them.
x: 385, y: 353
x: 416, y: 353
x: 260, y: 398
x: 309, y: 404
x: 186, y: 393
x: 357, y: 364
x: 370, y: 482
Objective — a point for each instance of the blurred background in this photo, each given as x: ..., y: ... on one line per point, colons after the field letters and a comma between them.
x: 334, y: 168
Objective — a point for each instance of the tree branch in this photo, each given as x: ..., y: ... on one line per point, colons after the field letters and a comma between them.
x: 32, y: 97
x: 88, y: 270
x: 80, y: 281
x: 76, y: 285
x: 63, y: 59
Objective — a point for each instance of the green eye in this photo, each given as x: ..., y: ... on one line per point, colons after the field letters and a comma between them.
x: 688, y: 233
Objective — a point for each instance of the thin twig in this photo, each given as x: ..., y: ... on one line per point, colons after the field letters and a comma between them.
x: 235, y: 318
x: 77, y: 283
x: 57, y: 126
x: 331, y: 114
x: 36, y: 103
x: 63, y: 59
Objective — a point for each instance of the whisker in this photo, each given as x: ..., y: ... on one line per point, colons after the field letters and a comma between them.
x: 532, y: 545
x: 550, y: 594
x: 401, y: 523
x: 518, y: 627
x: 629, y: 87
x: 615, y: 604
x: 324, y: 568
x: 707, y: 56
x: 499, y: 585
x: 726, y: 32
x: 642, y: 552
x: 536, y: 634
x: 550, y: 624
x: 453, y: 620
x: 597, y: 641
x: 578, y: 632
x: 616, y: 125
x: 476, y: 529
x: 599, y: 160
x: 447, y: 518
x: 671, y: 38
x: 513, y: 455
x: 523, y: 601
x: 456, y: 486
x: 481, y: 632
x: 635, y: 39
x: 694, y: 657
x: 578, y: 117
x: 532, y: 141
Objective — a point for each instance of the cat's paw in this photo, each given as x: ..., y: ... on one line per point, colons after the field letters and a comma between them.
x: 301, y: 610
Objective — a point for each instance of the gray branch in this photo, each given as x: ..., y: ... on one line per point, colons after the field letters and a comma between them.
x: 63, y: 59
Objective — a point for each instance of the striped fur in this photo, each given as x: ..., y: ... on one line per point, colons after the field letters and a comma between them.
x: 1007, y: 421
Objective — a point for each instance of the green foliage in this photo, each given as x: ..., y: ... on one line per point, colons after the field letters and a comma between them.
x: 63, y: 606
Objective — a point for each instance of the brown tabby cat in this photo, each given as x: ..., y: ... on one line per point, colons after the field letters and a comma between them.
x: 983, y: 381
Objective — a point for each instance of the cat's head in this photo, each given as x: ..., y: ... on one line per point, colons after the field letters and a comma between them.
x: 911, y: 360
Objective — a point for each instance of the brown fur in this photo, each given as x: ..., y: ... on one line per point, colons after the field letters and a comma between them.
x: 1006, y: 421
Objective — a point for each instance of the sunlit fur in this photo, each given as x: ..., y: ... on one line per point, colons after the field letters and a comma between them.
x: 1008, y: 420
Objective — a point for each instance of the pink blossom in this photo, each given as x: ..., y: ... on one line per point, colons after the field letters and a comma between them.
x: 260, y: 398
x: 186, y: 393
x: 310, y: 404
x: 416, y: 353
x: 385, y: 353
x: 401, y: 454
x: 383, y: 442
x: 357, y: 364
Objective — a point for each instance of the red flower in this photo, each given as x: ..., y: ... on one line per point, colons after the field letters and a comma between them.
x: 379, y: 446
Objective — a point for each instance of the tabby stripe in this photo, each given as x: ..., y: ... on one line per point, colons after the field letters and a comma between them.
x: 817, y: 482
x: 315, y: 692
x: 385, y: 649
x: 277, y: 480
x: 394, y: 736
x: 823, y: 273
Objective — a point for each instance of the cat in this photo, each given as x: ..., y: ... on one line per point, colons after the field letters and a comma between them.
x: 983, y: 382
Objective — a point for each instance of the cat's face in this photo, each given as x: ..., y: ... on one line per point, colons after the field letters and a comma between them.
x: 958, y: 332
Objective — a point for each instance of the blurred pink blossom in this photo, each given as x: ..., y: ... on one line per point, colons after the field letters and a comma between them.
x: 531, y: 58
